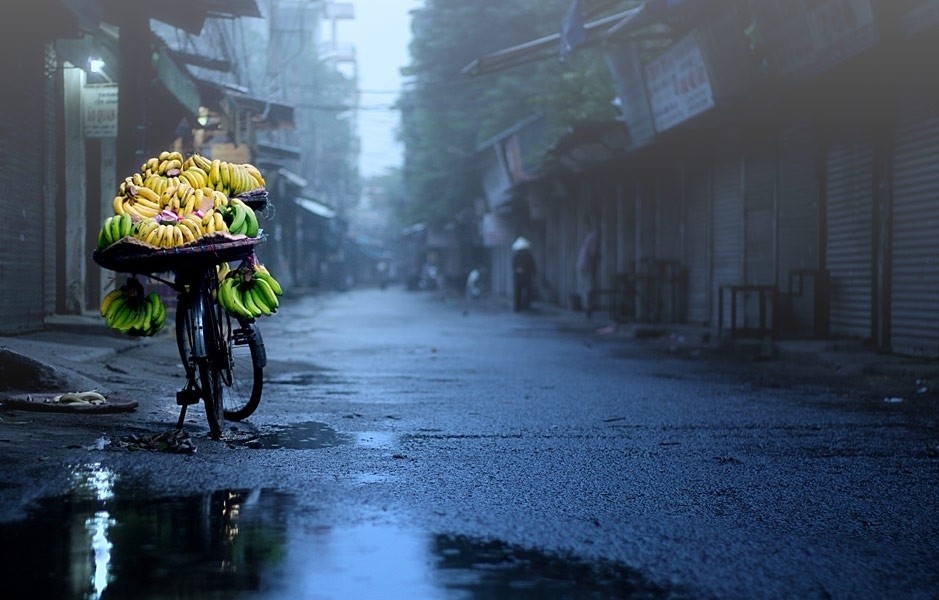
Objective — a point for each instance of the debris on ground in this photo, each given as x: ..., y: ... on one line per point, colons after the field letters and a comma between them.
x: 176, y: 441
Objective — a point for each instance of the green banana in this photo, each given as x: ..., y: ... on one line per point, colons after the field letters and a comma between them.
x: 269, y: 279
x: 237, y: 224
x: 266, y: 292
x: 258, y: 302
x: 252, y: 228
x: 248, y: 300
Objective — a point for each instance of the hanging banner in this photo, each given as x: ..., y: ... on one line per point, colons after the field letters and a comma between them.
x: 99, y: 110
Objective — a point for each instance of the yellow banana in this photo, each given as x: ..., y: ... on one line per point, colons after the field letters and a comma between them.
x: 186, y: 233
x: 118, y: 205
x: 108, y: 299
x: 215, y: 175
x: 153, y: 237
x: 219, y: 223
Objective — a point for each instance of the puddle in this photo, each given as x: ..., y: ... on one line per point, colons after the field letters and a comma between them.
x: 308, y: 435
x: 110, y: 539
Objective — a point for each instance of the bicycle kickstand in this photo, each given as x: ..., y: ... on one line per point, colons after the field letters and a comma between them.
x: 185, y: 397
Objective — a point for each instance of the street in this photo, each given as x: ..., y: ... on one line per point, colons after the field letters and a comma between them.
x: 410, y: 445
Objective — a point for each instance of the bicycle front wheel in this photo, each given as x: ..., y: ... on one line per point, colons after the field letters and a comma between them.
x: 210, y: 365
x: 244, y: 379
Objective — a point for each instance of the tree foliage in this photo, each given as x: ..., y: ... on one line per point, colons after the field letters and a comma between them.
x: 446, y: 115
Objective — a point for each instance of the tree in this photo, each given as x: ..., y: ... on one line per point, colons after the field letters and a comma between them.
x: 446, y: 115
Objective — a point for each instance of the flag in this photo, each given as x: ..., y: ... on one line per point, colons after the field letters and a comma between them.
x: 573, y: 33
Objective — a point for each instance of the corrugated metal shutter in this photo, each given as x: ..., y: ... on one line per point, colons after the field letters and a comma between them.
x: 50, y: 185
x: 668, y: 216
x: 696, y: 244
x: 727, y: 229
x: 797, y: 220
x: 21, y: 237
x: 849, y: 206
x: 760, y: 183
x: 914, y: 307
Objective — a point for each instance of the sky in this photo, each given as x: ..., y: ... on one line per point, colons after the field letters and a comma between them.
x: 381, y: 32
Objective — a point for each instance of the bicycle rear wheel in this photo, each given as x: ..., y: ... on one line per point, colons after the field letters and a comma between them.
x: 244, y: 378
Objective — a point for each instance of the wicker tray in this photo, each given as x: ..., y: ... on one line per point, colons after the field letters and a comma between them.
x: 132, y: 256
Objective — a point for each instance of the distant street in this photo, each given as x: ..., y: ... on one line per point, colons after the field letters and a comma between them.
x: 410, y: 445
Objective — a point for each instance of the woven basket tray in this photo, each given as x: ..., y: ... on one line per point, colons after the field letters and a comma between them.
x: 130, y: 255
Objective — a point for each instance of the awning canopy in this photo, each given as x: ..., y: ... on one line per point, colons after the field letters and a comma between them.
x: 590, y: 144
x: 314, y: 207
x: 267, y: 114
x: 292, y: 178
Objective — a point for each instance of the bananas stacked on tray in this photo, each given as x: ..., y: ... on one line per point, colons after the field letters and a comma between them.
x: 249, y: 292
x: 129, y: 310
x: 174, y: 201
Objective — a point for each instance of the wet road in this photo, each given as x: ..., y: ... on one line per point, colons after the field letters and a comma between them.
x: 407, y: 446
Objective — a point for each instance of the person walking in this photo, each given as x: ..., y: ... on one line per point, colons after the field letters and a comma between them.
x: 588, y: 263
x: 523, y: 270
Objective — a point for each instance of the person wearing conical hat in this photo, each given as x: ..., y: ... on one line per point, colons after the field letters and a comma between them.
x: 523, y: 270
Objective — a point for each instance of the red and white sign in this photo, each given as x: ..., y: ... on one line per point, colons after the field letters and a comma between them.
x: 678, y: 84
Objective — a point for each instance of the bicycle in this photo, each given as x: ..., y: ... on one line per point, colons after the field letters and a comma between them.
x: 223, y: 356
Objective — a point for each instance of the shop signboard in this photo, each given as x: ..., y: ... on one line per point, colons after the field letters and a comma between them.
x: 99, y: 110
x: 678, y: 84
x: 496, y: 181
x: 623, y: 63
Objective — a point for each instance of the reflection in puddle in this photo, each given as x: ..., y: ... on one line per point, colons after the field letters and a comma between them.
x: 125, y: 542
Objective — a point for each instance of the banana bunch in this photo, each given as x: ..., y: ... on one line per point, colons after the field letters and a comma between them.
x: 168, y: 230
x: 115, y: 227
x: 240, y: 218
x: 249, y: 293
x: 126, y: 309
x: 174, y: 201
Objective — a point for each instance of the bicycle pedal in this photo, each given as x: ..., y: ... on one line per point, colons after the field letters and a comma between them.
x: 187, y: 397
x: 242, y: 336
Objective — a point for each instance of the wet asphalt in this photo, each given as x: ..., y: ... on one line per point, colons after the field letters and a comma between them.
x: 410, y: 444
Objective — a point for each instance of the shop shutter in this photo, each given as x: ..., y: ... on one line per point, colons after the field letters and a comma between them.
x: 727, y: 229
x: 668, y: 216
x: 759, y: 189
x: 797, y: 221
x: 849, y: 209
x: 696, y: 244
x: 50, y: 185
x: 21, y: 237
x: 914, y: 305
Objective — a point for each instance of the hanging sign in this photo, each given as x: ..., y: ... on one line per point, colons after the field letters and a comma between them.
x: 99, y: 111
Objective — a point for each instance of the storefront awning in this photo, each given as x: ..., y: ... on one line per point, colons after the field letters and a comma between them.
x: 267, y: 114
x: 292, y: 178
x: 314, y: 207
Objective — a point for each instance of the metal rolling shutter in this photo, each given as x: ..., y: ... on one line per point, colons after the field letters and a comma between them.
x: 727, y: 230
x: 849, y: 206
x: 668, y: 216
x: 21, y: 238
x: 759, y: 226
x: 797, y: 225
x: 696, y: 244
x: 50, y: 185
x: 914, y: 307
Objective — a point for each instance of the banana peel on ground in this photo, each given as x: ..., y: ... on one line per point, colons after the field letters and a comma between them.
x: 89, y: 402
